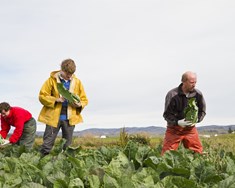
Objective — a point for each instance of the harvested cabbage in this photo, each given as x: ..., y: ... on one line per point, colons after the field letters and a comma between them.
x: 2, y: 140
x: 67, y: 94
x: 191, y: 111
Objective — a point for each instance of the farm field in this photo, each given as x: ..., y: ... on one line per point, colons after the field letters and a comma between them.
x: 110, y: 162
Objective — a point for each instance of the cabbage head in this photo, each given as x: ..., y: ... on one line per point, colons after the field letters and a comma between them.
x: 191, y: 111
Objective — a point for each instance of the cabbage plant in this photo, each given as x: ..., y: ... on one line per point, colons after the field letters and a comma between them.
x: 191, y: 111
x: 2, y: 141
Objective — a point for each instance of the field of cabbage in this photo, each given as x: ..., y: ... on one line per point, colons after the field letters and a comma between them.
x: 131, y: 166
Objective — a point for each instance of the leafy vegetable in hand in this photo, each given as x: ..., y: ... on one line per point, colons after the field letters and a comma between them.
x: 67, y: 94
x: 2, y: 141
x: 191, y: 111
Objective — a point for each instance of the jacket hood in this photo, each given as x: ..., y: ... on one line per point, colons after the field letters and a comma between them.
x: 55, y: 75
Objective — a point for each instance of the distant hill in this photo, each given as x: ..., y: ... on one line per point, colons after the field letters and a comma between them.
x: 217, y: 129
x: 151, y: 130
x: 130, y: 130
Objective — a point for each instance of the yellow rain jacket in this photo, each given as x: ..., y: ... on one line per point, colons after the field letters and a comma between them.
x: 50, y: 112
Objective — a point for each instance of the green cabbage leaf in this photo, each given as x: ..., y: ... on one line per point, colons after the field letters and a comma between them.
x: 67, y: 94
x: 191, y: 111
x: 2, y: 141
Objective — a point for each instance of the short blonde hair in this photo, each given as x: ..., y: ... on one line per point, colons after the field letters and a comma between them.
x: 68, y: 66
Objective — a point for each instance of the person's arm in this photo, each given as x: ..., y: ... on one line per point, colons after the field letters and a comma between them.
x: 5, y: 128
x: 19, y: 127
x: 83, y: 98
x: 169, y: 112
x: 47, y: 95
x: 201, y: 108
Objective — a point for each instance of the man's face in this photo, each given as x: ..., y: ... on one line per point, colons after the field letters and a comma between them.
x: 5, y: 113
x: 65, y: 75
x: 190, y: 84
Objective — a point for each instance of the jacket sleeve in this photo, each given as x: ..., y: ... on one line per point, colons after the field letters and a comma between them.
x: 201, y: 108
x: 5, y: 128
x: 82, y: 95
x: 169, y: 112
x: 19, y: 127
x: 48, y: 94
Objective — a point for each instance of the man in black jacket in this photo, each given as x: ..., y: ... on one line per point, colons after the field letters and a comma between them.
x: 178, y: 129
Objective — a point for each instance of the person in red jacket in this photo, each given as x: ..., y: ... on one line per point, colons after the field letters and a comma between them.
x: 25, y: 125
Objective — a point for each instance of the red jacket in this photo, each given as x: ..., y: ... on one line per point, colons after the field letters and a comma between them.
x: 16, y: 118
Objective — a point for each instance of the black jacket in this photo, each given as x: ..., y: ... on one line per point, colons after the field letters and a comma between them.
x: 176, y: 101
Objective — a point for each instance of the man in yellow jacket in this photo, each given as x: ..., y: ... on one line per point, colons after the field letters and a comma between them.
x: 58, y: 112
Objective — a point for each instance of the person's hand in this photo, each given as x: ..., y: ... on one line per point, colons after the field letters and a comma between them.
x: 184, y: 123
x: 61, y: 99
x: 76, y: 104
x: 6, y: 142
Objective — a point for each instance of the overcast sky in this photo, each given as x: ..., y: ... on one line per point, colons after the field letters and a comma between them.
x: 129, y: 54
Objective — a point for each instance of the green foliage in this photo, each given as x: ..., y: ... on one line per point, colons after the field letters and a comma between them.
x: 67, y: 94
x: 135, y: 165
x: 140, y: 138
x: 191, y: 111
x: 123, y: 137
x: 230, y: 130
x: 1, y: 140
x: 220, y: 142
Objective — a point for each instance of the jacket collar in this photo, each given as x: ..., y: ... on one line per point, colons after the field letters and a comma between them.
x: 190, y: 94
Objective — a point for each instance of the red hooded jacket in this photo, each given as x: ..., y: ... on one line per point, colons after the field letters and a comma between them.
x: 16, y: 118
